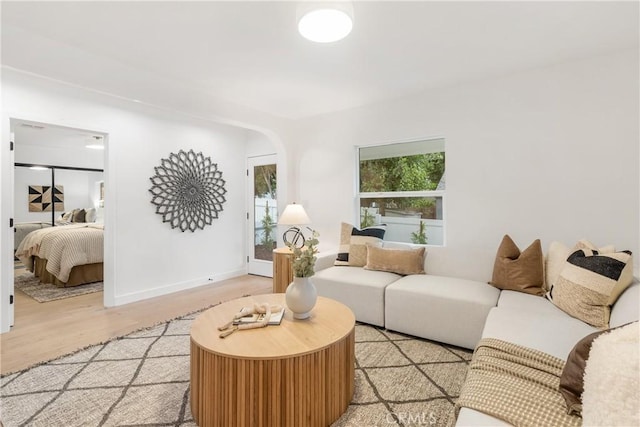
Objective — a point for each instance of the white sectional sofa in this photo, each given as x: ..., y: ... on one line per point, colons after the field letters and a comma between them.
x: 534, y: 322
x: 444, y: 309
x: 461, y: 312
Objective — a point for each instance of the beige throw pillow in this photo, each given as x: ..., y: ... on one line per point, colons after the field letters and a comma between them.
x: 590, y: 283
x: 400, y: 261
x: 353, y: 243
x: 558, y: 254
x: 519, y: 271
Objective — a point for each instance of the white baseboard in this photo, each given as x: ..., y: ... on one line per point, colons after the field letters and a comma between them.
x: 176, y: 287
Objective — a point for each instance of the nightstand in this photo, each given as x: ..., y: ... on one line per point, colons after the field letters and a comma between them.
x: 282, y: 270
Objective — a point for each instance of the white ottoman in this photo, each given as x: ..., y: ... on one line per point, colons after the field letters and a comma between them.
x: 359, y: 289
x: 438, y: 308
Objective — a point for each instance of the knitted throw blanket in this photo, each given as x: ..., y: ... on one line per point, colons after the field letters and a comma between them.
x: 516, y: 384
x: 64, y: 248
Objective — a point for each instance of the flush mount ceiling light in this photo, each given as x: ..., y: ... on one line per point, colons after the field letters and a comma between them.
x: 325, y: 22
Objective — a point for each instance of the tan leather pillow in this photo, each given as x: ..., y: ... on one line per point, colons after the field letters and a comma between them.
x: 519, y: 271
x: 400, y: 261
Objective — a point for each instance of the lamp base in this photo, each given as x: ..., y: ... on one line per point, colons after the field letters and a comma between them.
x: 294, y: 237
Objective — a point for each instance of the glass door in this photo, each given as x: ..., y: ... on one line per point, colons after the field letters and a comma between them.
x: 262, y: 214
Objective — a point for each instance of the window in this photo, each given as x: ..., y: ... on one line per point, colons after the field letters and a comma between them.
x: 403, y: 185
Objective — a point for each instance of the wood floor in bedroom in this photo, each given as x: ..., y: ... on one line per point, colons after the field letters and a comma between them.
x: 44, y: 331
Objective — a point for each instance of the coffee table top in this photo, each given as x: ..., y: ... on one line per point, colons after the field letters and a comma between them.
x: 330, y: 322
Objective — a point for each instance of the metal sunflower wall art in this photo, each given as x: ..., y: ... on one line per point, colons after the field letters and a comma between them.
x: 188, y: 190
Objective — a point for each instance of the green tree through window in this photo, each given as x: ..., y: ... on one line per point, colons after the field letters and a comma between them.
x: 405, y: 181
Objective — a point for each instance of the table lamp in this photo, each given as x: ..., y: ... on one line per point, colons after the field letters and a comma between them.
x: 294, y: 215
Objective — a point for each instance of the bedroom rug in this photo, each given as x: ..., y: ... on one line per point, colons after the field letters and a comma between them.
x: 44, y: 292
x: 142, y: 379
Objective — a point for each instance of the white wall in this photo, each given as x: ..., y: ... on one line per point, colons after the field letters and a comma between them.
x: 79, y: 191
x: 550, y: 154
x: 259, y: 144
x: 143, y: 256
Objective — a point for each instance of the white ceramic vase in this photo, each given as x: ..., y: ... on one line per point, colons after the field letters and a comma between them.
x: 301, y: 297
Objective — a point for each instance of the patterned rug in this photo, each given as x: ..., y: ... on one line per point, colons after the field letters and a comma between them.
x: 142, y: 379
x: 44, y: 292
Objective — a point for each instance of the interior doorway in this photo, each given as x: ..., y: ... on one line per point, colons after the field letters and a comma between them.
x: 262, y: 215
x: 57, y: 179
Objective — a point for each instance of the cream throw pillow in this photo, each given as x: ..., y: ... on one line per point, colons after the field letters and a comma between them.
x: 400, y: 261
x: 353, y: 243
x: 611, y: 394
x: 558, y: 254
x: 590, y: 283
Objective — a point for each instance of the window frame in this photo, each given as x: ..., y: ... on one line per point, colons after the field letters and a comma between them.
x: 402, y: 194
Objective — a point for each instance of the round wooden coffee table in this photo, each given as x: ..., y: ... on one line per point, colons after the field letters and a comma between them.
x: 299, y: 373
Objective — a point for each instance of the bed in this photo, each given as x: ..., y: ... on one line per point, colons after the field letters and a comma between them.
x: 24, y: 228
x: 68, y: 255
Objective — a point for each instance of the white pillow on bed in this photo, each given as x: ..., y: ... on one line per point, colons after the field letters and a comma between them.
x: 90, y: 215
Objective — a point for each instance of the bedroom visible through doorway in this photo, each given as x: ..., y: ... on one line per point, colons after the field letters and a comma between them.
x: 58, y: 213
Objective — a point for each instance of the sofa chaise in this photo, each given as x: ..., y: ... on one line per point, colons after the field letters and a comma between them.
x: 461, y: 312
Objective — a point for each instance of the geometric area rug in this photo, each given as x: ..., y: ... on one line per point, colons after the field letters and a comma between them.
x: 142, y: 379
x: 44, y: 292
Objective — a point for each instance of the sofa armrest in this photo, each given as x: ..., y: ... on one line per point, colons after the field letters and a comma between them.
x: 324, y: 260
x: 626, y: 308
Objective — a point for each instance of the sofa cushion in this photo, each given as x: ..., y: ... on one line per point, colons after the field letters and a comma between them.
x: 555, y: 335
x: 445, y: 309
x: 400, y: 261
x: 519, y: 271
x: 529, y: 303
x: 627, y: 308
x: 470, y: 417
x: 353, y: 243
x: 359, y: 289
x: 589, y: 283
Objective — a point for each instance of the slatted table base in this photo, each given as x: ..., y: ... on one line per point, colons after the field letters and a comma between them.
x: 313, y: 389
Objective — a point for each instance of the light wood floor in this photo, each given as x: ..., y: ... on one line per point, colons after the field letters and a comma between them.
x: 43, y: 331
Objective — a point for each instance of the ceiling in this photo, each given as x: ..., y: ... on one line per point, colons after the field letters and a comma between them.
x: 250, y: 54
x: 38, y: 134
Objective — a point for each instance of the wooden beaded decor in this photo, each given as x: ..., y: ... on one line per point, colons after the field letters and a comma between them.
x: 188, y: 190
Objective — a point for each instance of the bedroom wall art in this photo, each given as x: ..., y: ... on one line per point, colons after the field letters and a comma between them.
x: 40, y: 198
x: 188, y: 190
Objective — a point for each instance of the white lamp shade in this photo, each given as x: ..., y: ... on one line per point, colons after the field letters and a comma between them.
x: 294, y: 215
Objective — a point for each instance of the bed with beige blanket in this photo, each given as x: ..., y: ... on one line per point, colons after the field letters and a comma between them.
x: 22, y: 229
x: 68, y: 255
